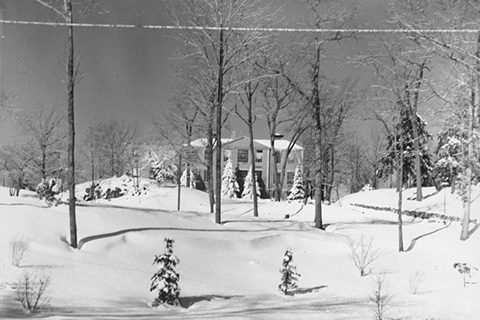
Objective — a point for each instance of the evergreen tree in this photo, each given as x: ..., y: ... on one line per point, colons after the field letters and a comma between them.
x: 230, y: 186
x: 405, y: 144
x: 297, y: 191
x: 289, y: 274
x: 247, y: 187
x: 165, y: 280
x: 193, y: 180
x: 451, y: 151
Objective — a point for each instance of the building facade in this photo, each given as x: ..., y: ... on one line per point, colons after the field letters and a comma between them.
x: 238, y: 150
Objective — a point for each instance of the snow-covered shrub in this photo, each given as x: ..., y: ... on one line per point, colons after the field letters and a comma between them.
x: 466, y: 270
x: 49, y: 189
x: 248, y: 184
x: 297, y: 191
x: 367, y: 187
x: 32, y: 290
x: 165, y: 280
x: 289, y: 274
x: 18, y: 247
x: 230, y: 186
x: 363, y: 254
x: 380, y: 298
x: 163, y: 171
x: 192, y: 179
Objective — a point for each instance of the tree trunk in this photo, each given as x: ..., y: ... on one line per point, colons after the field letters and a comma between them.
x: 331, y: 174
x: 416, y: 142
x: 474, y: 105
x: 274, y: 173
x: 252, y: 160
x: 44, y: 165
x: 179, y: 187
x: 453, y: 181
x: 71, y: 126
x: 467, y: 180
x: 318, y: 186
x: 211, y: 192
x: 400, y: 211
x: 418, y: 171
x: 399, y: 161
x: 218, y: 164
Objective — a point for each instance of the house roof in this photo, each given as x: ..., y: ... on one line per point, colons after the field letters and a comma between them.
x: 244, y: 142
x: 260, y: 144
x: 202, y: 142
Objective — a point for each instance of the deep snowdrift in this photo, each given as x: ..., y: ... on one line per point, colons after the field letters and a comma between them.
x: 232, y: 270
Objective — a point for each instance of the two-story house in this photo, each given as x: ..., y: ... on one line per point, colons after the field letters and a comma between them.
x: 238, y: 150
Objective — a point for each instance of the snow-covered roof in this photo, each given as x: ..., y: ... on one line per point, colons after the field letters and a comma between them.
x: 243, y: 142
x: 202, y: 142
x: 279, y: 144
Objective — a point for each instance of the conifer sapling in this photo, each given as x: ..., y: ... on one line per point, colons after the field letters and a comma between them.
x: 289, y: 274
x: 230, y: 186
x: 247, y: 192
x: 165, y: 280
x: 297, y: 191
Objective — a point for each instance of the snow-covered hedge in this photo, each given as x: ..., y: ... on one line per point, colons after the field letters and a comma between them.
x: 411, y: 213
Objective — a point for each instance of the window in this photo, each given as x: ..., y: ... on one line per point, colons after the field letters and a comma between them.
x: 242, y: 155
x: 290, y: 176
x: 259, y: 156
x: 278, y: 157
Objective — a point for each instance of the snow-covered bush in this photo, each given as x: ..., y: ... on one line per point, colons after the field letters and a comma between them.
x: 367, y: 187
x: 248, y: 184
x: 192, y: 179
x: 163, y: 171
x: 297, y: 191
x: 49, y: 189
x: 230, y: 186
x: 380, y: 298
x: 165, y: 280
x: 18, y: 247
x: 32, y: 290
x: 289, y: 274
x: 363, y: 254
x: 466, y: 270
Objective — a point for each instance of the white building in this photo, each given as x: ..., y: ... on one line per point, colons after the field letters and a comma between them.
x: 238, y: 150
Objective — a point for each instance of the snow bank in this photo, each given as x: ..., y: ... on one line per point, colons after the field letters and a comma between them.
x: 232, y: 270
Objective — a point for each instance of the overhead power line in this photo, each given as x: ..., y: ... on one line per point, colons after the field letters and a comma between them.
x: 242, y: 29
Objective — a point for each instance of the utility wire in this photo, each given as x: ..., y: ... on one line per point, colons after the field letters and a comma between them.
x: 241, y: 29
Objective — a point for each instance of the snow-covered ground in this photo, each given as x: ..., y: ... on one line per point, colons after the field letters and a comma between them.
x: 231, y: 271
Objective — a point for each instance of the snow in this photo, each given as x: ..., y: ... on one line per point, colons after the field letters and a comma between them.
x: 231, y: 271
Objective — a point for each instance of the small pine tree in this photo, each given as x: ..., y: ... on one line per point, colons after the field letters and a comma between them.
x: 247, y: 187
x: 165, y: 280
x: 193, y: 180
x: 297, y: 191
x: 230, y: 186
x: 289, y: 274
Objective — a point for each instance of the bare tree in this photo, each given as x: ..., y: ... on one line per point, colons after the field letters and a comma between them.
x: 17, y: 161
x: 247, y: 98
x: 64, y: 10
x: 218, y: 52
x: 324, y: 14
x: 400, y: 69
x: 279, y: 106
x: 45, y: 127
x: 459, y: 50
x: 178, y: 128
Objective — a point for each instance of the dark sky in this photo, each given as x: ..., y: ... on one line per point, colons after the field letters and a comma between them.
x: 127, y: 72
